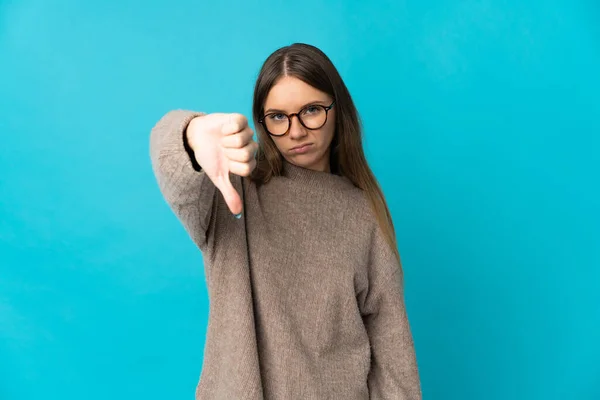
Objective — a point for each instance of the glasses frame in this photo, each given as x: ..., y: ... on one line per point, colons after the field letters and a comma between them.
x: 297, y: 114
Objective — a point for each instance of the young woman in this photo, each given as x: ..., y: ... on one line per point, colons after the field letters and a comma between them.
x: 302, y: 267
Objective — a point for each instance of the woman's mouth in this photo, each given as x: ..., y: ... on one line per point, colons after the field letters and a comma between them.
x: 305, y: 148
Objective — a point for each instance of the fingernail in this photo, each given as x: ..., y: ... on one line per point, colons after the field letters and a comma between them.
x: 238, y: 216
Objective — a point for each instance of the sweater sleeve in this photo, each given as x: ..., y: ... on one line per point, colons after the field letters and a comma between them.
x: 183, y: 184
x: 393, y: 374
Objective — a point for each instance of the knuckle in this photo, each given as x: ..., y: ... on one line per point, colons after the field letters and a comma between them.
x: 240, y: 119
x: 246, y: 156
x: 233, y: 142
x: 244, y: 169
x: 239, y: 141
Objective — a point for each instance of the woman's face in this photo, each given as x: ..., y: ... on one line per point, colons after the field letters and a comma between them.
x: 300, y: 146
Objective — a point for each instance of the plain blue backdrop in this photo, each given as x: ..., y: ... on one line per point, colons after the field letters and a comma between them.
x: 482, y: 122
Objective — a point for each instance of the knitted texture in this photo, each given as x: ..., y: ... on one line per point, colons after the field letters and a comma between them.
x: 306, y: 298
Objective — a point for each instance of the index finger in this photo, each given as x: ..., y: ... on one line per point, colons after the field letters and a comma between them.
x: 236, y: 123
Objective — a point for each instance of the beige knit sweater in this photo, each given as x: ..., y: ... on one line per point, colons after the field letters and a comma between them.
x: 306, y: 299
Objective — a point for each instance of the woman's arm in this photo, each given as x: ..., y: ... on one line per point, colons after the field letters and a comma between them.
x: 185, y: 187
x: 393, y: 373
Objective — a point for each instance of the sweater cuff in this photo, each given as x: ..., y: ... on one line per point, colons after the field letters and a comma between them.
x: 189, y: 150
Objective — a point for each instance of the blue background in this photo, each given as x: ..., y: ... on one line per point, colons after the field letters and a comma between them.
x: 482, y: 123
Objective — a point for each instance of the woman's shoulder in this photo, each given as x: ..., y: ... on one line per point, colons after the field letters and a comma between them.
x: 361, y: 205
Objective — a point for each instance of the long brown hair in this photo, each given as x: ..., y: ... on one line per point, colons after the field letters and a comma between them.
x: 347, y: 157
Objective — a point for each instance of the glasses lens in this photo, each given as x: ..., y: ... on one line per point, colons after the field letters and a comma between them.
x: 313, y: 117
x: 277, y: 124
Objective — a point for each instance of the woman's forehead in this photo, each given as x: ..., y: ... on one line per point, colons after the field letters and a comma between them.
x: 290, y: 93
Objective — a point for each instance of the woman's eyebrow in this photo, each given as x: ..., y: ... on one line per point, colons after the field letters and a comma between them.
x: 320, y: 102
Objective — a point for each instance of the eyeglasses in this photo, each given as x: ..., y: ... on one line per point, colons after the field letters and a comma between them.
x: 311, y: 117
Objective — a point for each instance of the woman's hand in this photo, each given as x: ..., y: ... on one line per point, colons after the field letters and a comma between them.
x: 223, y: 143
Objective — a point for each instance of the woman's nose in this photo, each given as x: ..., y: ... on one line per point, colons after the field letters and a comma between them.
x: 297, y: 131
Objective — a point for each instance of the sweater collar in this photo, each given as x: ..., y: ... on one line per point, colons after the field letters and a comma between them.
x: 314, y: 178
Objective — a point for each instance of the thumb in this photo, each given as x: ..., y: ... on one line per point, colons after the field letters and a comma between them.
x: 231, y: 196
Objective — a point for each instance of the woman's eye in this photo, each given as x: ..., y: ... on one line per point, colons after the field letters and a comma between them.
x: 311, y: 110
x: 277, y: 117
